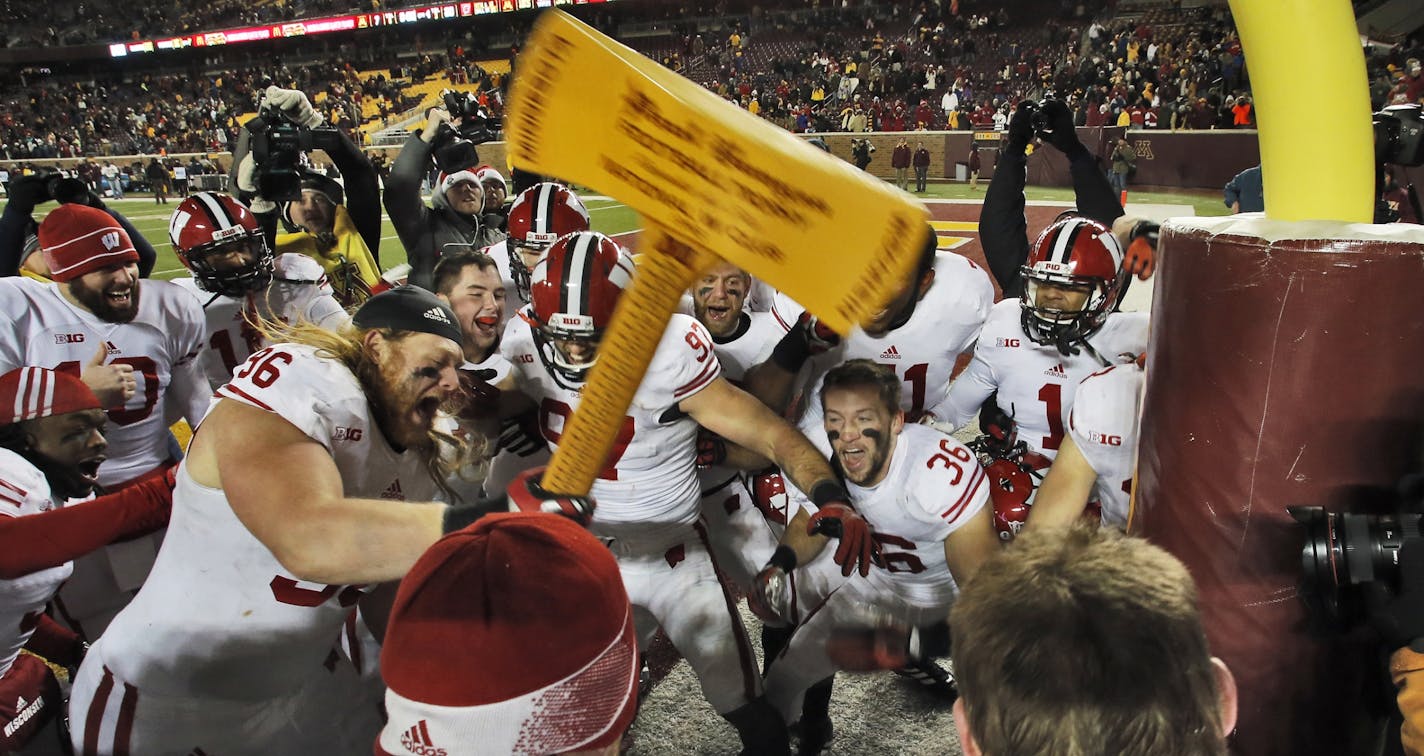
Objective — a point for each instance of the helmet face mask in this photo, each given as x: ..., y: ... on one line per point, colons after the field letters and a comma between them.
x: 1072, y: 282
x: 219, y: 240
x: 574, y: 292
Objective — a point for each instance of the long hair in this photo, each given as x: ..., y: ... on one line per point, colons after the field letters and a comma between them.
x: 446, y: 455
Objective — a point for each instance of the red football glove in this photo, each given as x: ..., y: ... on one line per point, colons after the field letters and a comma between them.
x: 857, y: 546
x: 1141, y: 256
x: 526, y: 495
x: 819, y: 337
x: 770, y: 596
x: 711, y: 449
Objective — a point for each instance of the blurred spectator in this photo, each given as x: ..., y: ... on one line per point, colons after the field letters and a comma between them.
x: 921, y: 161
x: 1244, y: 193
x: 900, y: 161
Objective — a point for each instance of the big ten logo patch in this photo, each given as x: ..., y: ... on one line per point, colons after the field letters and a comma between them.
x: 346, y: 434
x: 69, y: 338
x: 1002, y: 342
x: 526, y: 358
x: 1104, y: 438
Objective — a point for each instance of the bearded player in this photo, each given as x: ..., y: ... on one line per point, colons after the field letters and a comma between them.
x: 239, y: 283
x: 925, y: 497
x: 135, y: 344
x: 311, y: 479
x: 648, y: 490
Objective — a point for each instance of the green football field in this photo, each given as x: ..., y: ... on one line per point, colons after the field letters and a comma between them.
x: 609, y: 216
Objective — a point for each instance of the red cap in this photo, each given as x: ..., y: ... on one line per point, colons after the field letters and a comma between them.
x: 78, y: 239
x: 514, y: 634
x: 30, y: 392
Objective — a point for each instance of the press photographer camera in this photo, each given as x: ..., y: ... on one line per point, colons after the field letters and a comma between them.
x: 17, y: 225
x: 1399, y: 140
x: 1359, y: 569
x: 454, y: 220
x: 337, y: 223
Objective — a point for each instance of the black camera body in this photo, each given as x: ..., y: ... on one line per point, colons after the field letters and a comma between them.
x: 279, y: 147
x: 1350, y: 562
x: 1399, y: 135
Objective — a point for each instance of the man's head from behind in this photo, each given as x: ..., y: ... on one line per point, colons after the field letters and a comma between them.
x: 92, y: 256
x: 1082, y: 641
x: 513, y: 635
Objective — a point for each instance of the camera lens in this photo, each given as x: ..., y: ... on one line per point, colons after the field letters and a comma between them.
x: 1344, y: 551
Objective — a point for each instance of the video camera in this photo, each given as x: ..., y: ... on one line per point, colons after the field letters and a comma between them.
x: 1350, y: 562
x: 455, y: 146
x: 279, y: 147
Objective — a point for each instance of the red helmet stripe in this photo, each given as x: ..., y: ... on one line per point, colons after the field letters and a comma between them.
x: 219, y: 215
x: 578, y: 273
x: 543, y: 219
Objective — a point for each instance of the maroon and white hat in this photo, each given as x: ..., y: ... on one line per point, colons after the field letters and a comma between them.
x: 488, y: 173
x: 78, y: 239
x: 513, y: 635
x: 28, y: 393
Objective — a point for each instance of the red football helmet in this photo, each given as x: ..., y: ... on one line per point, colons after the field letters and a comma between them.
x: 1013, y: 481
x: 1073, y: 255
x: 209, y: 226
x: 540, y: 215
x: 573, y: 293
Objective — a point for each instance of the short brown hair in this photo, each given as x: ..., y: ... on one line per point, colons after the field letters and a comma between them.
x: 853, y: 374
x: 1083, y: 641
x: 450, y: 267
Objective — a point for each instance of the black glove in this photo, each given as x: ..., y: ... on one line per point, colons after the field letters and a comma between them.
x: 68, y: 191
x: 1059, y: 121
x: 770, y: 596
x: 858, y: 547
x: 807, y: 338
x: 998, y: 427
x: 1021, y: 126
x: 1399, y: 617
x: 29, y: 192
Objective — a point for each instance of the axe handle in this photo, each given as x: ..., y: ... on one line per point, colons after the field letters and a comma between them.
x: 667, y: 268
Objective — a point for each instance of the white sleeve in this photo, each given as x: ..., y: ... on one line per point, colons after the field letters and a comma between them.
x: 685, y: 362
x: 326, y: 312
x: 289, y: 381
x: 967, y: 393
x: 189, y: 393
x: 950, y: 486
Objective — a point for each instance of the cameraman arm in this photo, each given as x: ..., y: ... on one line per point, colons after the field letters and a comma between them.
x: 1091, y: 189
x: 26, y: 192
x: 363, y: 191
x: 408, y: 212
x: 147, y: 255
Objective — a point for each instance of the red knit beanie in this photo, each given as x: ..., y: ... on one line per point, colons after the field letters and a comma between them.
x: 30, y: 392
x: 513, y: 635
x: 78, y: 239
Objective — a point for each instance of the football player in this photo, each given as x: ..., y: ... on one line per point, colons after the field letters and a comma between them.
x: 935, y: 317
x: 741, y: 537
x: 648, y: 489
x: 925, y: 497
x: 51, y: 446
x: 1096, y: 462
x: 311, y: 479
x: 135, y: 344
x: 238, y: 283
x: 539, y: 216
x: 1036, y: 350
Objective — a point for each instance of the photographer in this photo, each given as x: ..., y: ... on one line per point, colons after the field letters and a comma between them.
x: 338, y: 226
x: 454, y: 222
x: 28, y: 192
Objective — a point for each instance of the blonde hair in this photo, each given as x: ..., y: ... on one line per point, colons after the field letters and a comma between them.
x: 447, y: 455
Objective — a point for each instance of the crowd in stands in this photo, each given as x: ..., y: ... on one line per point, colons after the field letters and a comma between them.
x: 948, y: 64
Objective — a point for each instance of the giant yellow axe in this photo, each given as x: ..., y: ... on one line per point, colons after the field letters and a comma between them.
x: 710, y: 181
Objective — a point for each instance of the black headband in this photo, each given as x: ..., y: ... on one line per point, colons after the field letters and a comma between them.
x: 409, y: 308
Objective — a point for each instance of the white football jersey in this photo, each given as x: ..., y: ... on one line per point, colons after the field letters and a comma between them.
x: 1103, y: 425
x: 299, y: 293
x: 749, y: 345
x: 924, y: 350
x: 650, y: 483
x: 244, y: 628
x: 1036, y: 382
x: 934, y: 486
x: 45, y: 330
x: 24, y: 491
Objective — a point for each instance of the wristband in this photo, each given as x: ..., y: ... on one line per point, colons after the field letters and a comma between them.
x: 784, y: 558
x: 824, y: 492
x: 457, y: 516
x: 792, y: 351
